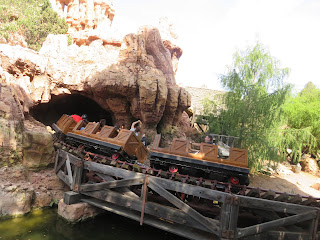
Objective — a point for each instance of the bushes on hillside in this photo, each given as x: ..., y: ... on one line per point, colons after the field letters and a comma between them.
x: 34, y: 19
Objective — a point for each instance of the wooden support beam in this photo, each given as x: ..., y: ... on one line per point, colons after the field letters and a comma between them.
x: 181, y: 230
x: 165, y: 183
x: 73, y: 159
x: 276, y: 206
x: 71, y: 197
x: 56, y: 161
x: 64, y: 178
x: 109, y: 170
x: 191, y: 190
x: 164, y: 212
x: 60, y: 164
x: 123, y: 190
x: 282, y: 235
x: 111, y: 184
x: 144, y: 192
x: 315, y: 226
x: 229, y: 217
x: 259, y: 228
x: 69, y: 171
x: 77, y: 176
x: 224, y: 218
x: 212, y: 227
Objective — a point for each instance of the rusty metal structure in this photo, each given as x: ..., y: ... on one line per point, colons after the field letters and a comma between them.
x: 190, y: 206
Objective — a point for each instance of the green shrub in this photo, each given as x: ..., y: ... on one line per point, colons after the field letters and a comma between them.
x: 34, y: 19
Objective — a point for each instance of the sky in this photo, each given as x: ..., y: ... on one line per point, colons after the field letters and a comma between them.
x: 211, y: 31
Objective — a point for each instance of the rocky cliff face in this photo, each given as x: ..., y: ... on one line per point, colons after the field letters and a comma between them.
x: 128, y: 79
x: 121, y: 80
x: 88, y: 20
x: 135, y: 80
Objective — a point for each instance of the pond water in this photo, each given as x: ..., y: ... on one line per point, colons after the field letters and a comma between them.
x: 47, y: 225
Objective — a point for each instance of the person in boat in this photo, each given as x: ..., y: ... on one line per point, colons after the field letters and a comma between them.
x: 76, y: 117
x: 102, y: 123
x: 136, y: 128
x: 208, y: 139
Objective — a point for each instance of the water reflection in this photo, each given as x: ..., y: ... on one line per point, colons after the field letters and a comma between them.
x: 46, y: 224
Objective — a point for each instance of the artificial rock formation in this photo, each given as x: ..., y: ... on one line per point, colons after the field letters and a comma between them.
x: 77, y: 212
x: 133, y: 81
x: 88, y: 20
x: 130, y: 79
x: 21, y: 190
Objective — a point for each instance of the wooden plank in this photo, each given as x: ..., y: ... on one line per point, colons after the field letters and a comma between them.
x: 269, y: 205
x: 123, y: 190
x: 111, y: 184
x: 281, y: 235
x: 191, y: 189
x: 73, y: 159
x: 234, y: 212
x: 56, y: 160
x: 71, y: 197
x: 109, y: 170
x: 69, y: 171
x: 184, y: 207
x: 164, y: 212
x: 165, y: 183
x: 64, y: 178
x: 259, y: 228
x: 315, y: 226
x: 224, y: 217
x: 181, y: 230
x: 144, y: 192
x: 77, y: 176
x: 63, y: 161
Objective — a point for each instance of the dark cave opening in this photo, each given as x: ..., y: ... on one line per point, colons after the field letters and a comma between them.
x: 50, y: 112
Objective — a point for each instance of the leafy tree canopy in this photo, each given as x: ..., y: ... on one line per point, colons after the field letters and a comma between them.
x: 302, y: 113
x: 252, y: 105
x: 34, y: 19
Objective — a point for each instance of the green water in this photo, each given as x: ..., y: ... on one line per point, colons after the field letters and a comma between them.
x: 47, y: 225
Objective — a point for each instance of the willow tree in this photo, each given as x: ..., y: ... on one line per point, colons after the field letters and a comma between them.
x: 302, y: 117
x: 252, y: 105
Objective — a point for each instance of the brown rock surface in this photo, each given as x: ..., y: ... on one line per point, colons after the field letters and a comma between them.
x: 89, y: 20
x: 134, y: 81
x: 21, y: 190
x: 77, y: 212
x: 310, y: 165
x: 131, y: 78
x: 38, y: 150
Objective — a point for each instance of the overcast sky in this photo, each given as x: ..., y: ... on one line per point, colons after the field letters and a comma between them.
x: 210, y: 31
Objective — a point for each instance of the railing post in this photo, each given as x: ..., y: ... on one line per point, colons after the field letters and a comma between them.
x: 313, y: 227
x: 78, y: 170
x: 229, y: 217
x: 143, y: 197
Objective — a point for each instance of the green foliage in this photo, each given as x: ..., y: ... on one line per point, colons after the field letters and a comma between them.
x: 252, y: 106
x: 302, y: 116
x: 54, y: 202
x: 32, y: 18
x: 293, y: 139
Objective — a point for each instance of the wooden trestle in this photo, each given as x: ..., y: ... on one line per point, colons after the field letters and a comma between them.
x: 174, y: 215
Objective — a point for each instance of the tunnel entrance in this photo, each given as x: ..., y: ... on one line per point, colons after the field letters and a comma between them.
x: 50, y: 112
